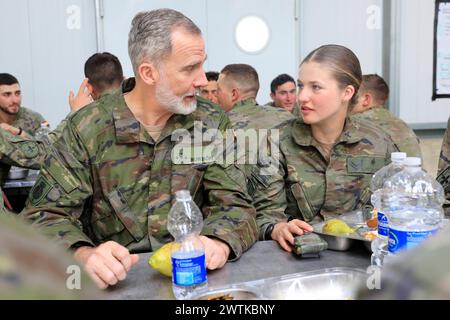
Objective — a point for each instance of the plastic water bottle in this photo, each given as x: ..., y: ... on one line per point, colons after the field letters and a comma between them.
x: 42, y: 133
x: 380, y: 244
x: 413, y: 201
x: 185, y: 221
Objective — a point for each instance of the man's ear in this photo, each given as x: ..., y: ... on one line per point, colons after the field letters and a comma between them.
x: 272, y: 96
x: 235, y: 95
x: 148, y: 73
x: 366, y: 101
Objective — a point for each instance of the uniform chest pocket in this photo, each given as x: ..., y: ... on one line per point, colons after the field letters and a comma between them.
x: 365, y: 164
x: 121, y: 218
x: 188, y: 177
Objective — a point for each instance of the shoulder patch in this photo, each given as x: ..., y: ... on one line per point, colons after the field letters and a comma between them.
x: 40, y: 189
x: 30, y: 149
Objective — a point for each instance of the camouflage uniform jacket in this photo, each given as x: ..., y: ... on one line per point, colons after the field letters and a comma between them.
x: 32, y: 267
x: 109, y: 180
x: 399, y: 132
x: 315, y: 188
x: 20, y: 152
x: 247, y: 114
x: 28, y: 120
x: 444, y: 168
x: 295, y: 110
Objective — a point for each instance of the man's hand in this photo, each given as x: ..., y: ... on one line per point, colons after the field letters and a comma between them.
x: 284, y: 232
x: 83, y: 97
x: 216, y: 252
x: 106, y: 264
x: 13, y: 130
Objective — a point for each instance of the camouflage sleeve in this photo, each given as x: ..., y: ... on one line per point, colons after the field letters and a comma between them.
x: 21, y: 152
x: 229, y: 209
x: 55, y: 134
x: 443, y: 175
x: 56, y: 202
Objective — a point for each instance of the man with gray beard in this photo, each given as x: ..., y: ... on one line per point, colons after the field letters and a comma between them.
x: 106, y: 191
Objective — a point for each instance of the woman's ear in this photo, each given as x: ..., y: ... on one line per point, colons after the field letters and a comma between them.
x: 148, y: 73
x: 349, y: 92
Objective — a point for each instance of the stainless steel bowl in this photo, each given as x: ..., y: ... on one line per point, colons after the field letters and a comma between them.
x: 16, y: 173
x: 237, y: 293
x: 325, y: 284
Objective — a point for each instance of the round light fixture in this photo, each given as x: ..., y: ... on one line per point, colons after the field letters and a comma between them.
x: 252, y: 34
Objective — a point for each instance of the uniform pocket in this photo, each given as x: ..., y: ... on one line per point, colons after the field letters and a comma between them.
x: 303, y: 204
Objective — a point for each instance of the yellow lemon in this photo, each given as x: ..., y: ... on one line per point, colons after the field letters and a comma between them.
x: 161, y: 259
x: 336, y: 226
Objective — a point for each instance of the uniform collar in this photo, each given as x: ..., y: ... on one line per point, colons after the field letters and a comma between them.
x: 129, y: 130
x: 301, y: 133
x: 243, y: 103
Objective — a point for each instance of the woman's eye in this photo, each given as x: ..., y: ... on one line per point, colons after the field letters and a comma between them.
x: 316, y: 87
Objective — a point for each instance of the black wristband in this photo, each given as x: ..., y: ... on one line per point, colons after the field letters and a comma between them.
x: 80, y: 244
x: 269, y: 230
x: 20, y: 131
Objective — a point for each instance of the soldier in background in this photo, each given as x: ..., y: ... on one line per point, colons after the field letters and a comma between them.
x: 443, y: 175
x: 11, y: 110
x: 209, y: 91
x: 326, y: 159
x: 238, y: 87
x: 283, y: 92
x: 372, y: 97
x: 107, y: 191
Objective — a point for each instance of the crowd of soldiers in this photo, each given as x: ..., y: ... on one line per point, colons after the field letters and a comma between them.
x: 108, y: 176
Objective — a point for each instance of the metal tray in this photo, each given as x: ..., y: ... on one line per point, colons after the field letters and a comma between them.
x: 343, y: 242
x: 323, y: 284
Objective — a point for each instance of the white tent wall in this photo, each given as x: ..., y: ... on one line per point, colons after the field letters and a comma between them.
x: 46, y: 42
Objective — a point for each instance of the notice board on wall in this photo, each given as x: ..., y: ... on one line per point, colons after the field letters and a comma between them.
x: 441, y: 68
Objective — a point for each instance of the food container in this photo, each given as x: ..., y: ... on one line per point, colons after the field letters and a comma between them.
x: 325, y: 284
x: 16, y: 173
x: 343, y: 242
x: 233, y: 293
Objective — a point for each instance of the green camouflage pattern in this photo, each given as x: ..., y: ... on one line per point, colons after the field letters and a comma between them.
x: 295, y: 110
x: 420, y: 273
x: 247, y: 114
x: 28, y: 120
x: 108, y: 180
x: 443, y: 175
x: 399, y: 132
x: 310, y: 188
x: 309, y: 243
x: 20, y: 152
x: 31, y: 267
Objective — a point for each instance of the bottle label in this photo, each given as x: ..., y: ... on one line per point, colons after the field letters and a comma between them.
x: 189, y: 272
x: 400, y: 239
x: 383, y: 224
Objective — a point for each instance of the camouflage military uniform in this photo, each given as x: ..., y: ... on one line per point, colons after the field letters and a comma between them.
x: 403, y: 137
x: 295, y: 111
x: 444, y: 168
x: 315, y: 188
x: 110, y: 181
x: 31, y: 267
x: 247, y: 114
x: 19, y: 152
x: 420, y: 273
x: 28, y: 120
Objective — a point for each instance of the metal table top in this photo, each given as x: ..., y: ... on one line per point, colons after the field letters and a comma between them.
x: 264, y: 260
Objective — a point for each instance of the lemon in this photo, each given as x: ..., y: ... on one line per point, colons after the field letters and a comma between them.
x: 336, y: 226
x: 161, y: 259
